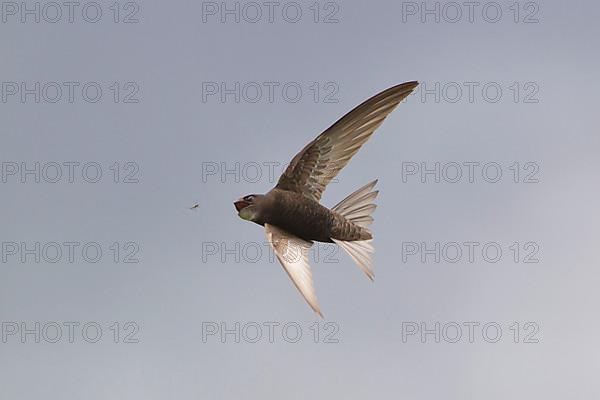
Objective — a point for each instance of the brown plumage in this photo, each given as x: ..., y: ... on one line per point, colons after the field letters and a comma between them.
x: 291, y: 213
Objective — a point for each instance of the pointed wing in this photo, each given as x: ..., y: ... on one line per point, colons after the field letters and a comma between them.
x: 292, y: 253
x: 322, y: 159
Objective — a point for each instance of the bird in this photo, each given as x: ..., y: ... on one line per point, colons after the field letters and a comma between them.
x: 291, y: 213
x: 194, y: 206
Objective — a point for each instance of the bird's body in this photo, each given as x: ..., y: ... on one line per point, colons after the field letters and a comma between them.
x: 308, y: 219
x: 291, y: 213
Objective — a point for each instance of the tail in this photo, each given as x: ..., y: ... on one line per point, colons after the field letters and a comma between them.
x: 357, y: 208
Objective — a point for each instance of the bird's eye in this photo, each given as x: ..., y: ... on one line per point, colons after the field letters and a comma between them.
x: 249, y: 198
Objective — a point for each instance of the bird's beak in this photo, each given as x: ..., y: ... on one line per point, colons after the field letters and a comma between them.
x: 240, y: 204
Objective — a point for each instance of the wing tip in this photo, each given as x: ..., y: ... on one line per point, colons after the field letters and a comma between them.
x: 406, y: 87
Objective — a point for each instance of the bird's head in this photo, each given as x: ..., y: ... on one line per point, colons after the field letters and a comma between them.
x: 248, y: 207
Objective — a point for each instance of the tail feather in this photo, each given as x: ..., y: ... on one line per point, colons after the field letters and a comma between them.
x: 364, y: 211
x: 360, y: 251
x: 357, y: 208
x: 363, y: 221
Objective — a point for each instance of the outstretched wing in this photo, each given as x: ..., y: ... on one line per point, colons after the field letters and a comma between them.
x: 322, y: 159
x: 292, y: 253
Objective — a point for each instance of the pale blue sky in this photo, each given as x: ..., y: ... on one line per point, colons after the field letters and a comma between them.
x: 181, y: 287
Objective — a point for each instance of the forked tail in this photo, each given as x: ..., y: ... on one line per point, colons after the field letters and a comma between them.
x: 357, y: 208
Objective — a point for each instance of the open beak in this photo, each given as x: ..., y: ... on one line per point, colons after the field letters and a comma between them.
x: 240, y: 205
